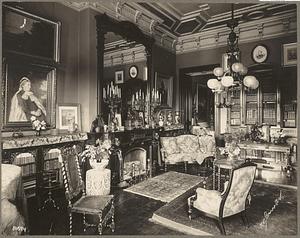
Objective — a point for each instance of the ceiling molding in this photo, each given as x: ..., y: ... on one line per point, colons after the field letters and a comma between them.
x: 125, y: 56
x: 247, y: 33
x: 209, y: 36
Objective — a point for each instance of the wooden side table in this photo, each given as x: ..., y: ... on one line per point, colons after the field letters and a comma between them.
x: 223, y: 164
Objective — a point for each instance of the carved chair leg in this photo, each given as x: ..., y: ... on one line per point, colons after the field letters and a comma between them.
x: 84, y: 223
x: 70, y: 223
x: 113, y: 226
x: 244, y: 218
x: 190, y: 206
x: 100, y: 226
x: 221, y: 226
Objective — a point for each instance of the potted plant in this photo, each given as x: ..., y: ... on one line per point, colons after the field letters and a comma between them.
x: 97, y: 155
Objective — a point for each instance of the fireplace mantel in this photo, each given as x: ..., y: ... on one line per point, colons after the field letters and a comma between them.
x: 30, y: 141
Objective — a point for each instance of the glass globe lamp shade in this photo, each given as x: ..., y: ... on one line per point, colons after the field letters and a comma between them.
x: 227, y: 81
x: 219, y: 87
x: 218, y: 71
x: 244, y: 70
x: 212, y: 83
x: 237, y: 67
x: 251, y: 82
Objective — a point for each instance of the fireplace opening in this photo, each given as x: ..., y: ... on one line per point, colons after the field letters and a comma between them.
x: 134, y: 163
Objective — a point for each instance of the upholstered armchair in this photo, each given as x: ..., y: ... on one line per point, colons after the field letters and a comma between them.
x: 231, y: 201
x: 78, y: 202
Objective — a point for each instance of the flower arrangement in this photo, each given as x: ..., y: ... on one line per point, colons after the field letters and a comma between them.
x: 255, y: 134
x: 97, y: 154
x: 278, y: 137
x: 38, y: 125
x: 232, y: 150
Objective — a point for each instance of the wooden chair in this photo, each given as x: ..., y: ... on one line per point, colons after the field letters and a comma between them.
x: 231, y: 201
x: 78, y: 201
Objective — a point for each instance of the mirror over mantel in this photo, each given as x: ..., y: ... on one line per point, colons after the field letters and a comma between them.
x: 130, y: 35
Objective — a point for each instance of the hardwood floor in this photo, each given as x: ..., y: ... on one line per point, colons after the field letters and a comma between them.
x: 132, y: 214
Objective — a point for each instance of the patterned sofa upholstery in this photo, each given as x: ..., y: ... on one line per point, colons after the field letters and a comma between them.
x: 187, y: 149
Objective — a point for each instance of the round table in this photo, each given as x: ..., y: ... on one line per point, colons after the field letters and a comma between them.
x: 98, y: 181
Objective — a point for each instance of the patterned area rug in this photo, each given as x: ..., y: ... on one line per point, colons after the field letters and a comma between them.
x: 165, y: 187
x: 282, y: 221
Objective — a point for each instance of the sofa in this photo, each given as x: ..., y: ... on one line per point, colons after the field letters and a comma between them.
x: 187, y: 149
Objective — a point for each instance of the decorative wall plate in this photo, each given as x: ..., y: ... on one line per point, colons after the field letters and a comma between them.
x: 133, y: 71
x: 260, y: 54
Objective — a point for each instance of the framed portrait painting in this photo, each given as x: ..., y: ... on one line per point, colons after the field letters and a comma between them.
x: 119, y: 77
x: 290, y: 54
x: 28, y: 90
x: 164, y: 86
x: 68, y: 115
x: 28, y: 34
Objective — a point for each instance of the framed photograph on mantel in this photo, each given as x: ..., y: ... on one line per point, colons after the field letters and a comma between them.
x: 68, y: 116
x: 28, y: 34
x: 28, y: 90
x: 289, y: 54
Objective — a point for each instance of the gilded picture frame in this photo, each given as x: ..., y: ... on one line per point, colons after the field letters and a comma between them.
x: 289, y: 54
x: 28, y: 90
x: 30, y: 35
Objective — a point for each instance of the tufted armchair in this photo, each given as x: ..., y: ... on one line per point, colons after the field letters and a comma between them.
x: 187, y: 149
x: 231, y: 201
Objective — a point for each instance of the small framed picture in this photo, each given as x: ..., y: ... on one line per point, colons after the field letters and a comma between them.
x: 289, y: 54
x: 68, y: 115
x: 119, y: 76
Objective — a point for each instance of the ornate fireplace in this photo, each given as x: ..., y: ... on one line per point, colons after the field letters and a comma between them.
x: 134, y: 164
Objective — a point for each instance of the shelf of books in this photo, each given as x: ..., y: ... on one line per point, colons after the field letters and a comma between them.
x: 269, y: 106
x: 51, y: 163
x: 251, y: 106
x: 289, y: 114
x: 235, y: 110
x: 27, y: 163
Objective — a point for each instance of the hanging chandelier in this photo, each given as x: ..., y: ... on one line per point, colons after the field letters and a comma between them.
x: 236, y: 75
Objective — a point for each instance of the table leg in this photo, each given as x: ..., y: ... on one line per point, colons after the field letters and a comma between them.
x: 214, y: 177
x: 219, y: 179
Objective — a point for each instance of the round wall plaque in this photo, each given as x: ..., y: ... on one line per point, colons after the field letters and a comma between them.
x: 260, y: 54
x: 133, y: 71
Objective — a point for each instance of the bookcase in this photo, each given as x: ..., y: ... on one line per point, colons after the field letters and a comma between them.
x: 37, y: 154
x: 261, y: 105
x: 235, y: 112
x: 289, y: 114
x: 252, y: 106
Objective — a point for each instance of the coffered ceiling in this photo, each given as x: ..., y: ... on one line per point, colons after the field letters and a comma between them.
x: 183, y: 26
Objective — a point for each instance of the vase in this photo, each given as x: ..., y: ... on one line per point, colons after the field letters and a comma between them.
x: 99, y: 165
x: 37, y: 133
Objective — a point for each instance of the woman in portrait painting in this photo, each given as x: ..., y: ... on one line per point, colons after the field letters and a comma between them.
x: 25, y: 104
